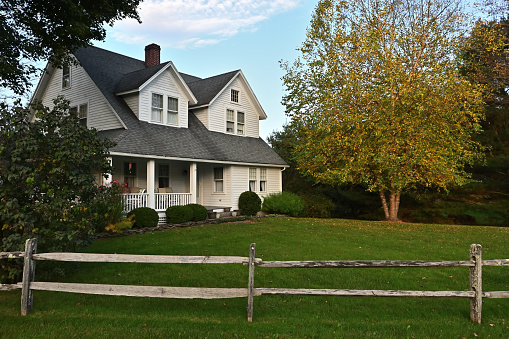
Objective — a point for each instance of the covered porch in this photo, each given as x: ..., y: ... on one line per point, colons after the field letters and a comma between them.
x: 154, y: 183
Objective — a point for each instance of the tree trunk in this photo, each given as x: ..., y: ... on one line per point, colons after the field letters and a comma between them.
x: 391, y: 211
x: 384, y: 204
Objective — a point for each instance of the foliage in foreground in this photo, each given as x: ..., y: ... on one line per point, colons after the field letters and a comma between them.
x: 47, y: 188
x: 377, y: 100
x: 58, y: 315
x: 40, y: 30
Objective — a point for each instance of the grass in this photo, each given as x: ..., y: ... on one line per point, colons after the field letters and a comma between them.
x: 59, y: 315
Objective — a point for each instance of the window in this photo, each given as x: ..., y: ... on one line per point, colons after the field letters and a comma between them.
x: 218, y: 179
x: 263, y: 180
x: 173, y: 111
x: 157, y: 108
x: 164, y: 175
x: 230, y: 120
x: 66, y: 76
x: 240, y: 123
x: 129, y: 173
x: 234, y: 97
x: 252, y: 179
x: 258, y: 180
x: 235, y: 122
x: 83, y: 114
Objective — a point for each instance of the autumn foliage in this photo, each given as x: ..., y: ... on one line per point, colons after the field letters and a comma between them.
x: 376, y: 97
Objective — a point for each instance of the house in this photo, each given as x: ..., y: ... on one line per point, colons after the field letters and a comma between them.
x: 179, y: 138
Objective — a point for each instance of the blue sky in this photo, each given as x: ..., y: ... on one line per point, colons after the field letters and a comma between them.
x: 209, y: 37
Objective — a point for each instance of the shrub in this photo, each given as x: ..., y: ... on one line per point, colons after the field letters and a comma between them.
x: 122, y: 225
x: 283, y: 203
x: 199, y: 212
x: 249, y: 203
x: 144, y: 217
x: 318, y: 206
x: 179, y: 214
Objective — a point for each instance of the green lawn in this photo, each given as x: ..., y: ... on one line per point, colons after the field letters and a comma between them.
x: 64, y: 315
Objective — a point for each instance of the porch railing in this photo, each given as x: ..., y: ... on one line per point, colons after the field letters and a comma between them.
x: 162, y: 200
x: 165, y: 200
x: 134, y: 200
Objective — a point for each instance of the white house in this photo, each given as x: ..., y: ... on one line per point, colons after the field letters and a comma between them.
x: 180, y: 138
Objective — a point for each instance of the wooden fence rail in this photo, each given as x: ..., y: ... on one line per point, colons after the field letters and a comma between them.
x: 28, y: 285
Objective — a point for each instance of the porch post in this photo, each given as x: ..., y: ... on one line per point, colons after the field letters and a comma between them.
x: 193, y: 181
x: 151, y: 175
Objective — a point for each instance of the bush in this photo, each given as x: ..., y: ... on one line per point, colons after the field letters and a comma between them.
x: 199, y: 212
x: 179, y: 214
x: 318, y: 206
x: 249, y: 203
x: 144, y: 217
x: 122, y: 225
x: 283, y: 203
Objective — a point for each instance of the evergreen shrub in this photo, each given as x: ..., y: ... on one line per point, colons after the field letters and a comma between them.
x: 199, y: 212
x: 144, y: 217
x: 179, y: 214
x: 283, y: 203
x: 249, y: 203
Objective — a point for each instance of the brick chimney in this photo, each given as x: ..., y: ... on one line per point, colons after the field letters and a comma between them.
x: 152, y: 55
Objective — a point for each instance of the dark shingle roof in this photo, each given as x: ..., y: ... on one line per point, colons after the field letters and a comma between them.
x: 114, y: 73
x: 206, y: 89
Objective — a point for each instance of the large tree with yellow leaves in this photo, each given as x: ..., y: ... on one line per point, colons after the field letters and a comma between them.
x: 376, y: 97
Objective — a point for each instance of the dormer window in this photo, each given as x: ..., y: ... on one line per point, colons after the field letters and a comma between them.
x: 66, y: 76
x: 173, y: 111
x: 235, y: 122
x: 234, y: 96
x: 157, y: 108
x: 230, y: 120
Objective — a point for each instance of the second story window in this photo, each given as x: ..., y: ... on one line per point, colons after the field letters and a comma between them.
x: 234, y: 97
x: 173, y: 111
x: 66, y: 76
x: 157, y: 108
x: 83, y: 114
x: 240, y: 123
x: 230, y: 120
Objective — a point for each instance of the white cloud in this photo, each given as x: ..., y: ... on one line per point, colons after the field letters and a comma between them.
x: 196, y: 23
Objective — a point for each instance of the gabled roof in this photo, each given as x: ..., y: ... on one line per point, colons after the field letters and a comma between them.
x: 114, y: 73
x: 195, y: 143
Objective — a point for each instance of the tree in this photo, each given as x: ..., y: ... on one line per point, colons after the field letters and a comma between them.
x: 47, y: 189
x: 377, y: 99
x: 40, y: 30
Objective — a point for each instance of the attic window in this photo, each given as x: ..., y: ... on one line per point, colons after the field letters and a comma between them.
x: 157, y: 108
x: 234, y: 96
x: 66, y: 76
x: 173, y: 111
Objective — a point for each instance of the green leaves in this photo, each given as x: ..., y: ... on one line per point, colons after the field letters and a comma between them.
x: 46, y: 176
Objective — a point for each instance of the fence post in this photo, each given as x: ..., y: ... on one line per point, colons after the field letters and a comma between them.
x: 28, y: 276
x: 250, y: 290
x: 476, y: 282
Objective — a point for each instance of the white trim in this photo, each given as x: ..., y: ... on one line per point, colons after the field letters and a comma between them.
x: 145, y: 156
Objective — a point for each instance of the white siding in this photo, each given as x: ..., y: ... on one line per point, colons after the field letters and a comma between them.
x: 203, y: 115
x: 82, y: 90
x: 207, y: 195
x: 217, y: 111
x: 240, y: 182
x: 164, y: 84
x: 132, y: 100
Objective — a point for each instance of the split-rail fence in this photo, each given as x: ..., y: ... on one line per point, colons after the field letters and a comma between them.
x: 28, y: 285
